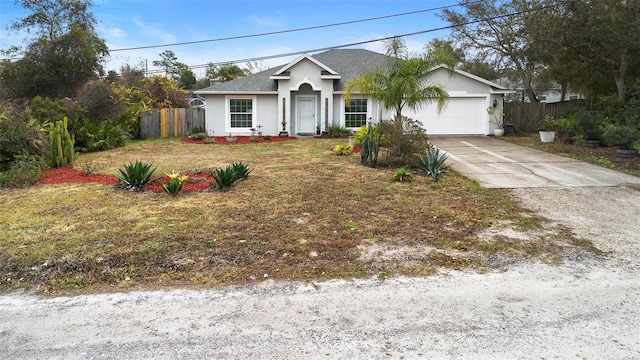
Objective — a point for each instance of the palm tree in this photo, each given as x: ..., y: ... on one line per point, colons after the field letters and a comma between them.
x: 404, y: 83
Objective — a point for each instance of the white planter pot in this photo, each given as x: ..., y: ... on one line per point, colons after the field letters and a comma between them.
x: 547, y: 136
x: 498, y: 132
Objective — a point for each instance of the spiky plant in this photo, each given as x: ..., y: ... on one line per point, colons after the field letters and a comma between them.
x: 433, y: 163
x: 136, y: 176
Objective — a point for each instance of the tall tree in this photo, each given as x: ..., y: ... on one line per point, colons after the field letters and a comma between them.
x: 404, y: 83
x: 495, y: 30
x: 67, y: 53
x: 170, y: 64
x: 53, y: 18
x: 603, y: 41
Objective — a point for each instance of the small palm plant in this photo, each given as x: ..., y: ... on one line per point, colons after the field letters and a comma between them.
x: 433, y: 164
x: 403, y: 175
x: 136, y: 176
x: 229, y: 176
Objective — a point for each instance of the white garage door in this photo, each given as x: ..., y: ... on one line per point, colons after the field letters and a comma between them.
x: 461, y: 116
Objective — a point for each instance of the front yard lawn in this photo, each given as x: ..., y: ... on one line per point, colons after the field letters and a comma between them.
x: 603, y: 156
x: 303, y: 214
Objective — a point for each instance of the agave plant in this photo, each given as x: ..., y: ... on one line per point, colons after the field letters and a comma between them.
x: 242, y: 170
x: 136, y: 176
x: 342, y: 149
x: 225, y: 178
x: 433, y: 164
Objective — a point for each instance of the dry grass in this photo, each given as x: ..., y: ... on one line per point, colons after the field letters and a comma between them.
x: 303, y: 214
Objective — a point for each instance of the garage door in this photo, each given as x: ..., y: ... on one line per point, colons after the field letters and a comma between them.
x: 461, y: 116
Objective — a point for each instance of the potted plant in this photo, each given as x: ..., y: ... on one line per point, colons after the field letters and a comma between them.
x: 589, y: 126
x: 231, y: 138
x: 496, y: 118
x: 622, y: 137
x: 547, y: 129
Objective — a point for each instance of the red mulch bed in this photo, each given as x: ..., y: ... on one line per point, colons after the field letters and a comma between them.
x: 239, y: 140
x: 67, y: 174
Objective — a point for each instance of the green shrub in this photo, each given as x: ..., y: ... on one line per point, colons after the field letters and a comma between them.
x: 433, y: 163
x: 548, y: 123
x: 93, y: 137
x: 359, y: 135
x: 620, y: 136
x: 567, y: 128
x: 197, y: 130
x: 338, y: 131
x: 589, y: 124
x: 403, y: 174
x: 136, y: 176
x: 24, y: 170
x: 404, y: 141
x: 19, y: 135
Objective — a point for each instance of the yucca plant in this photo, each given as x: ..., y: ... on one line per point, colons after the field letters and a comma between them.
x: 225, y: 178
x: 242, y: 170
x: 403, y: 175
x: 136, y: 176
x: 433, y: 164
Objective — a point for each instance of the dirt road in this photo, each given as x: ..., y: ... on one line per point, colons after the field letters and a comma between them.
x: 588, y: 308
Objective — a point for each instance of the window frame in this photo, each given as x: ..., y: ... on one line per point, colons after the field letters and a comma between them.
x: 366, y: 113
x: 228, y: 113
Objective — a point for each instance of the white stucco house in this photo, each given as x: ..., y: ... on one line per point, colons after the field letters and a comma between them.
x: 307, y: 95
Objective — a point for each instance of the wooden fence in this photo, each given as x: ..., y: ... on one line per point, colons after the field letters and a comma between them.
x: 525, y: 116
x: 170, y: 122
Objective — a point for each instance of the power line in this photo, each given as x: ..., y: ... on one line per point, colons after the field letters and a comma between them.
x: 289, y: 30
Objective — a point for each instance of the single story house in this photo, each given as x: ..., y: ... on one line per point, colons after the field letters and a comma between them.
x: 306, y: 96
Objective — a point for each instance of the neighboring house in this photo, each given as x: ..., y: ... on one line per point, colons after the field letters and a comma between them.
x: 307, y: 95
x: 196, y: 100
x: 553, y: 96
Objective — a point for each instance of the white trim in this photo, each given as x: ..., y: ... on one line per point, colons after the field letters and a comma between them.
x: 218, y: 92
x: 227, y: 113
x: 305, y: 81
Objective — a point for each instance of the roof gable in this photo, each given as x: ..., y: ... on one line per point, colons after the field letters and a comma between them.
x: 307, y: 57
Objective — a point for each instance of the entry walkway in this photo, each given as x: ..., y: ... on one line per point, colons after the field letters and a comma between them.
x: 500, y: 164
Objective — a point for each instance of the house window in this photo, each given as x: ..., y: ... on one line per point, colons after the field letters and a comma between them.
x: 241, y: 113
x: 542, y: 97
x: 573, y: 97
x: 355, y: 114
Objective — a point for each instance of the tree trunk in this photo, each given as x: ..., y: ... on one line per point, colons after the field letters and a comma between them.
x: 563, y: 91
x: 620, y: 74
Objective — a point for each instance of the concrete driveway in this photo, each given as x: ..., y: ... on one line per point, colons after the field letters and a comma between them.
x: 499, y: 164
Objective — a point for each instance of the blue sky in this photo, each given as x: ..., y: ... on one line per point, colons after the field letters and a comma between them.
x: 135, y: 23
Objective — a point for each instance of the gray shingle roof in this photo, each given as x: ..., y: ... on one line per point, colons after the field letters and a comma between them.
x: 349, y: 63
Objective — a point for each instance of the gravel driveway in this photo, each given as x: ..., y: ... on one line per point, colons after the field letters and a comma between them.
x: 587, y: 308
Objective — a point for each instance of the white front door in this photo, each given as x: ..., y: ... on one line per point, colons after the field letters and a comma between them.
x: 306, y: 114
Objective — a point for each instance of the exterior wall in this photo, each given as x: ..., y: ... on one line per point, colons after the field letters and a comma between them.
x: 459, y: 83
x: 265, y: 110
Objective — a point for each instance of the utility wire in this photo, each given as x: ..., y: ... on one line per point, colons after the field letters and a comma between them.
x: 352, y: 44
x: 289, y: 30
